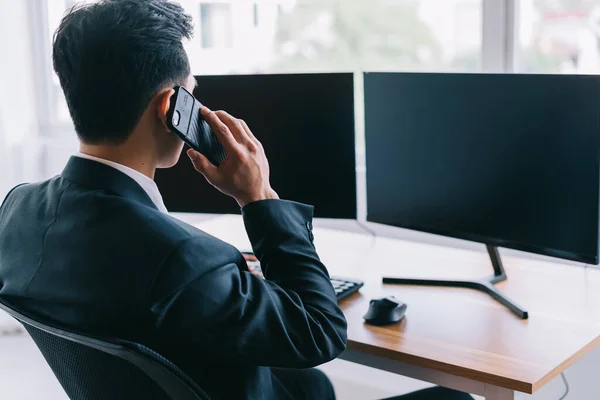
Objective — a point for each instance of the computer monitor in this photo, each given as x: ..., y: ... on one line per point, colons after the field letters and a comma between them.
x: 305, y: 123
x: 505, y: 160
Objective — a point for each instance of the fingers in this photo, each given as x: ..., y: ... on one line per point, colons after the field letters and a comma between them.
x: 202, y: 165
x: 234, y: 126
x: 252, y: 142
x: 220, y: 129
x: 247, y: 130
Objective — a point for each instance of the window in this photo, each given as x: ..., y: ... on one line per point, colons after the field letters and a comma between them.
x: 232, y: 36
x: 215, y: 25
x: 559, y: 36
x: 36, y: 133
x: 342, y: 35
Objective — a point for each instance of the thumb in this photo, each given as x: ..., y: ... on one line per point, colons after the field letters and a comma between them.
x: 202, y: 165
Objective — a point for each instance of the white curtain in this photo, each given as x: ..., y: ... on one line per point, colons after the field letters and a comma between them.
x: 33, y: 143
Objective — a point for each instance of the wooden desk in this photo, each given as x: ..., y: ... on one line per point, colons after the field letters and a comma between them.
x: 458, y: 338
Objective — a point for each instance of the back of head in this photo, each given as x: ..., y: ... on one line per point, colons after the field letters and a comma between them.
x: 113, y: 56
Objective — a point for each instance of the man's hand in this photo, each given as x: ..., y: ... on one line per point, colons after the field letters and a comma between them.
x: 244, y: 175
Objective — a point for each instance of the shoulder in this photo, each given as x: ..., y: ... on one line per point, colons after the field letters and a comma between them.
x: 26, y: 190
x: 135, y: 220
x: 21, y: 189
x: 11, y: 191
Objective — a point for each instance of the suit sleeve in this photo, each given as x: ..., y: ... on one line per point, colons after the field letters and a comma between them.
x: 226, y: 315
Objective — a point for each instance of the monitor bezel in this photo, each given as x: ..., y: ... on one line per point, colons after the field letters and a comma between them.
x: 351, y: 76
x: 485, y: 240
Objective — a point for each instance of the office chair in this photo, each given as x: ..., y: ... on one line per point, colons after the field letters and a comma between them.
x: 92, y: 368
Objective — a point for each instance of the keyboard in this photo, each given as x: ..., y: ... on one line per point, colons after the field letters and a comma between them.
x: 343, y: 287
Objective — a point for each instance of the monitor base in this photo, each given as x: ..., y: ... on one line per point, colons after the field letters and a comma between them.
x: 485, y: 285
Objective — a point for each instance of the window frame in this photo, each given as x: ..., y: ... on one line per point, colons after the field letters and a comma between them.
x: 500, y: 32
x: 47, y: 91
x: 204, y: 6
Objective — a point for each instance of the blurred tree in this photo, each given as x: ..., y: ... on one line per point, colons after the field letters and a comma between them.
x: 342, y: 35
x: 542, y: 60
x: 469, y: 61
x: 535, y: 60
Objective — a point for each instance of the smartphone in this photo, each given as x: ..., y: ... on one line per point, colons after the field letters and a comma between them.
x: 185, y: 120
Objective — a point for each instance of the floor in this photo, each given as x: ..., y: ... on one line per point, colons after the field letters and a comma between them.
x: 24, y: 375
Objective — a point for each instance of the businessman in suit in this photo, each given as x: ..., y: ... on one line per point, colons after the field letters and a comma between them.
x: 94, y: 249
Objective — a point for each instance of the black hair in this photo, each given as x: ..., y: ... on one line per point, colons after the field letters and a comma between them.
x: 113, y: 56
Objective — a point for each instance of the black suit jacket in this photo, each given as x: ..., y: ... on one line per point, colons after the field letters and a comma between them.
x: 88, y: 249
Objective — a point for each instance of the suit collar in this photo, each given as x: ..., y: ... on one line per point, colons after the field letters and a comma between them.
x: 95, y: 175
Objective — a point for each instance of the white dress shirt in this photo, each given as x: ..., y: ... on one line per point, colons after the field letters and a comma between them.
x: 146, y: 183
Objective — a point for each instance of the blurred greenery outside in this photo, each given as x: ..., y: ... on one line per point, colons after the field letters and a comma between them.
x: 384, y: 35
x: 561, y: 56
x: 341, y: 35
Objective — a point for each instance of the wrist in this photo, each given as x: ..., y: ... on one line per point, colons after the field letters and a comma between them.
x: 266, y: 194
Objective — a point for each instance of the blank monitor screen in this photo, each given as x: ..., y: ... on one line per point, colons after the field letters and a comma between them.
x: 305, y: 123
x: 507, y: 160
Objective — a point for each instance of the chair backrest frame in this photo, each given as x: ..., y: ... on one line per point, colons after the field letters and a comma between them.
x: 169, y: 380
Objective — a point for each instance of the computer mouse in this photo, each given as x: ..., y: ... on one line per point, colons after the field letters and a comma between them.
x: 385, y: 311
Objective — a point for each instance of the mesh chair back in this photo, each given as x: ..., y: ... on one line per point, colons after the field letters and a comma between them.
x: 91, y: 368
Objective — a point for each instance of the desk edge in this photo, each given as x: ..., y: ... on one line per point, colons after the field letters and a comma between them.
x: 556, y: 371
x: 463, y: 372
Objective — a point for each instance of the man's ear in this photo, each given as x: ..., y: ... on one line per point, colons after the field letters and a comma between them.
x: 163, y: 102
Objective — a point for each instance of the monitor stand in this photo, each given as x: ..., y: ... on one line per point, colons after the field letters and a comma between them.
x: 484, y: 285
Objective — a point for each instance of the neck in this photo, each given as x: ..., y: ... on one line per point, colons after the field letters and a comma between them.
x: 125, y: 154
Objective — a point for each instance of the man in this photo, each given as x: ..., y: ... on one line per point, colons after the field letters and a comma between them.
x: 94, y: 248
